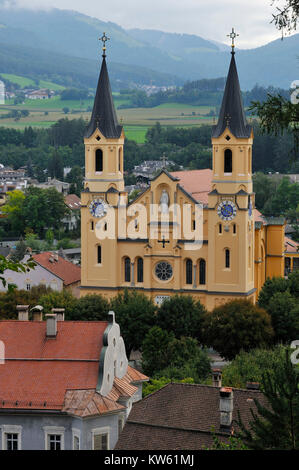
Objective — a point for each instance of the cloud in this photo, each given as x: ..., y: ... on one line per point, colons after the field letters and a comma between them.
x: 211, y: 20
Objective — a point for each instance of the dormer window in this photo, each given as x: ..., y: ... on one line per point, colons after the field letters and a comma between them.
x: 228, y: 161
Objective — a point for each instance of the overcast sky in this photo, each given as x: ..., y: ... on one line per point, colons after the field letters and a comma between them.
x: 211, y: 19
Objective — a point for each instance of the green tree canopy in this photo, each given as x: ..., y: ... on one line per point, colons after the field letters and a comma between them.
x: 135, y: 314
x: 182, y: 315
x: 275, y: 426
x: 237, y: 325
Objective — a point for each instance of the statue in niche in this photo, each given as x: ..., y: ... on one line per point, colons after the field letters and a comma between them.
x: 164, y: 202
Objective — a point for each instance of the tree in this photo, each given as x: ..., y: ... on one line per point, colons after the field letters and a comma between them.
x: 76, y: 177
x: 182, y: 315
x: 14, y: 209
x: 286, y: 16
x: 90, y: 308
x: 250, y: 366
x: 237, y: 325
x: 163, y: 355
x: 270, y: 287
x: 275, y: 426
x: 277, y: 114
x: 19, y: 252
x: 55, y: 299
x: 156, y: 350
x: 284, y: 316
x: 135, y: 314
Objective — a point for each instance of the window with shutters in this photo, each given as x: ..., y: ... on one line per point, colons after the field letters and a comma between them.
x: 100, y: 440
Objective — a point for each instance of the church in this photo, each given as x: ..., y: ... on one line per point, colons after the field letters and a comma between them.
x: 189, y: 232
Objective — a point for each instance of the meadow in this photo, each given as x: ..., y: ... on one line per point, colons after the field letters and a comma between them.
x: 136, y: 121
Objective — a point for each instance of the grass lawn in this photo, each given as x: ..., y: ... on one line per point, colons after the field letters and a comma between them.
x: 136, y: 133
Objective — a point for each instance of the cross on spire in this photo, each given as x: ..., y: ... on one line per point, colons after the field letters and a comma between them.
x: 104, y: 39
x: 233, y: 36
x: 164, y: 160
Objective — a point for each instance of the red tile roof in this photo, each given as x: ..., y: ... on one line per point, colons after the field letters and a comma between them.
x: 60, y: 373
x: 290, y: 245
x: 65, y: 270
x: 198, y: 183
x: 73, y: 202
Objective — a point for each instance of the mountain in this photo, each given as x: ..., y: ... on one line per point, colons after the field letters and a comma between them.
x: 139, y: 56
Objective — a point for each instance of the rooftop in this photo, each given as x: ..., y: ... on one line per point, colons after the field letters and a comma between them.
x: 59, y: 266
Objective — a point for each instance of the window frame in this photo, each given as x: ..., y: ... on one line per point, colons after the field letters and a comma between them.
x: 201, y: 261
x: 140, y: 270
x: 11, y: 429
x: 189, y: 272
x: 100, y: 432
x: 76, y: 433
x: 127, y: 269
x: 54, y: 431
x: 228, y: 162
x: 101, y: 161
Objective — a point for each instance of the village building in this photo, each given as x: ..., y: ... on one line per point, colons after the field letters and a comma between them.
x: 51, y: 270
x: 188, y: 417
x: 64, y: 385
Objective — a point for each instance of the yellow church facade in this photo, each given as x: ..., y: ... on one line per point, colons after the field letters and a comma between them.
x: 190, y: 232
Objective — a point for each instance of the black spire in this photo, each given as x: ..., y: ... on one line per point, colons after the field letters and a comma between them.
x: 103, y: 114
x: 232, y: 114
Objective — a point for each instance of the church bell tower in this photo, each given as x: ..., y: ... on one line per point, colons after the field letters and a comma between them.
x: 231, y: 201
x: 103, y: 186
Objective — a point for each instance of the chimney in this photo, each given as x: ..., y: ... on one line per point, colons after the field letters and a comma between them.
x: 23, y: 312
x: 226, y: 408
x: 51, y: 322
x: 253, y: 386
x: 217, y: 378
x: 37, y: 313
x: 59, y: 312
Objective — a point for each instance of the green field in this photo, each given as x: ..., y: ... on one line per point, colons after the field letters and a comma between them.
x: 136, y: 121
x: 24, y: 82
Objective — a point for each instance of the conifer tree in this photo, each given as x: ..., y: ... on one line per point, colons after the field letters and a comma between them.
x: 275, y: 426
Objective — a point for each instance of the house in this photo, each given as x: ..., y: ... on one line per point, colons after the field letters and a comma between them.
x: 187, y: 416
x: 64, y: 385
x: 42, y: 94
x: 51, y: 270
x: 60, y: 186
x: 73, y: 203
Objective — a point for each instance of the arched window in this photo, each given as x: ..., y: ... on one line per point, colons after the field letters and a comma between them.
x: 140, y: 270
x: 119, y: 160
x: 228, y: 161
x: 99, y: 160
x: 227, y: 258
x: 189, y: 269
x: 127, y: 270
x: 202, y: 272
x: 99, y: 254
x: 234, y: 228
x: 220, y: 228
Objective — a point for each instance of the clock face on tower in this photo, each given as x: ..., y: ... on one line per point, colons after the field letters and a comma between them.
x: 98, y: 208
x: 227, y: 210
